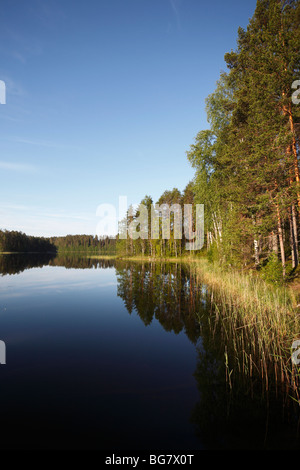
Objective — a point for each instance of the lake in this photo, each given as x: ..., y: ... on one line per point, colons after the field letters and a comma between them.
x: 116, y: 355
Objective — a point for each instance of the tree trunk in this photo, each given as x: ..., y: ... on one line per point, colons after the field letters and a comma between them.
x: 273, y: 243
x: 295, y: 232
x: 292, y: 242
x: 287, y: 110
x: 256, y: 252
x: 280, y: 236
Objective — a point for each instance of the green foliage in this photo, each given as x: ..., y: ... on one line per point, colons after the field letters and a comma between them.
x: 213, y: 254
x: 85, y: 243
x: 158, y: 245
x: 13, y: 241
x: 272, y: 270
x: 246, y: 163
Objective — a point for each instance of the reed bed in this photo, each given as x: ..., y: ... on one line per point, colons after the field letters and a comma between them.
x: 259, y: 323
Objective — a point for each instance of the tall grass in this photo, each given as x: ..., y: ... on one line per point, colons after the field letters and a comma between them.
x: 259, y: 323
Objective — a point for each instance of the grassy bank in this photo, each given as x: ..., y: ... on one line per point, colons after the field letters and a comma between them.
x: 140, y: 258
x: 259, y: 322
x: 101, y: 256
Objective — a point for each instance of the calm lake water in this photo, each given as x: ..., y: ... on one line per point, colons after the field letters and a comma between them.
x: 111, y: 355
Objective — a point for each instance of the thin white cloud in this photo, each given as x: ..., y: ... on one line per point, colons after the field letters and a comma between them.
x: 19, y: 167
x: 67, y: 216
x: 175, y: 4
x: 39, y: 143
x: 40, y: 212
x: 13, y: 87
x: 9, y: 118
x: 39, y: 221
x: 19, y: 56
x: 20, y: 47
x: 15, y: 207
x: 42, y: 143
x: 47, y: 13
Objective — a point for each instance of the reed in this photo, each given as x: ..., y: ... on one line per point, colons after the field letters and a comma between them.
x: 259, y: 323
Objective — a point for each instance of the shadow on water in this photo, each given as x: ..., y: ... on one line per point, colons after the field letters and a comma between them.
x: 16, y: 263
x: 232, y: 412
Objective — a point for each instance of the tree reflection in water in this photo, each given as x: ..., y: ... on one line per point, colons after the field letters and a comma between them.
x: 233, y: 411
x: 16, y: 263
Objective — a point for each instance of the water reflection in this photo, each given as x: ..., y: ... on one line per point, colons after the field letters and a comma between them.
x: 227, y: 415
x: 16, y: 263
x: 163, y: 291
x: 74, y: 261
x: 232, y: 413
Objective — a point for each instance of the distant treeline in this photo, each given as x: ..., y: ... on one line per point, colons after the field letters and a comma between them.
x: 13, y: 241
x: 84, y: 243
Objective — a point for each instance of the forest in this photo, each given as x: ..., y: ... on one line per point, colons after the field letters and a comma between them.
x: 247, y: 162
x: 14, y: 241
x: 85, y: 243
x: 17, y: 242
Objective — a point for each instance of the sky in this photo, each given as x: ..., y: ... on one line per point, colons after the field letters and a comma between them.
x: 103, y: 99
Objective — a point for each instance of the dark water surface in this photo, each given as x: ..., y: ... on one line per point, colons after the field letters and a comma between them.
x: 109, y: 355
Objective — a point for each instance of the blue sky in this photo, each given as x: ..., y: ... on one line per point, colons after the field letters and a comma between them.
x: 103, y: 99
